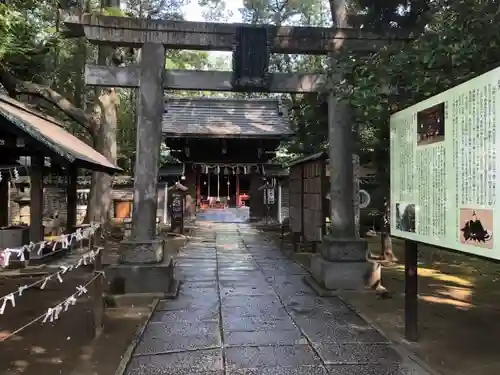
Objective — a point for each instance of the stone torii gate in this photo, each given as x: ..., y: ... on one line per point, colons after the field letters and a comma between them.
x: 151, y: 78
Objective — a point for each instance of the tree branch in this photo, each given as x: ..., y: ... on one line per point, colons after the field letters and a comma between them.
x: 16, y: 86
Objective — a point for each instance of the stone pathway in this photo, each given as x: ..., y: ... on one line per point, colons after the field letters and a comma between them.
x: 244, y: 309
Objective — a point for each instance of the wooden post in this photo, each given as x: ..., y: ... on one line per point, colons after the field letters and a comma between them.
x: 198, y: 187
x: 411, y: 290
x: 237, y: 183
x: 4, y: 200
x: 97, y: 296
x: 36, y: 196
x: 325, y: 204
x: 71, y: 198
x: 208, y: 187
x: 302, y: 178
x: 165, y: 204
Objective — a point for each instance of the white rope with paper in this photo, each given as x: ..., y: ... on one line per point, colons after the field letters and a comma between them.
x: 65, y: 240
x: 85, y: 259
x: 53, y: 313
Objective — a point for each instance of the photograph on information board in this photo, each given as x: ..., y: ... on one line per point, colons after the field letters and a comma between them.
x: 405, y: 217
x: 431, y: 125
x: 476, y: 227
x: 444, y: 166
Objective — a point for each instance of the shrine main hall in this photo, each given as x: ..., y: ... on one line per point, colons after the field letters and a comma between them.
x: 225, y: 146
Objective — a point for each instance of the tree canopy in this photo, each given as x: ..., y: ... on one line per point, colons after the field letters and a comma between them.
x: 448, y: 42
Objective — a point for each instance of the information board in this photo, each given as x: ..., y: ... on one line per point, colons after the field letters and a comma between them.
x: 443, y: 168
x: 270, y: 196
x: 177, y: 205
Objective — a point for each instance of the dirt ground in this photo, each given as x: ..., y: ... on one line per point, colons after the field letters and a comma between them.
x: 66, y: 346
x: 459, y: 309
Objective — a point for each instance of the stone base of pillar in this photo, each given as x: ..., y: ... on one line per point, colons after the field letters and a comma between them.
x: 147, y: 279
x: 145, y: 267
x: 142, y: 252
x: 340, y: 265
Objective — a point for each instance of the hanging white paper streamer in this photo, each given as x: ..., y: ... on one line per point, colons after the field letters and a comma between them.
x: 7, y: 298
x: 70, y: 301
x: 45, y: 281
x: 21, y: 289
x: 7, y: 253
x: 90, y: 256
x: 40, y: 249
x: 81, y: 290
x: 65, y: 240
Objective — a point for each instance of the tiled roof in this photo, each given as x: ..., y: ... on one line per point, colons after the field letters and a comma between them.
x: 52, y: 135
x: 218, y: 117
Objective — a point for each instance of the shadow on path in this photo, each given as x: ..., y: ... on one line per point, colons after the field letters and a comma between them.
x: 244, y: 309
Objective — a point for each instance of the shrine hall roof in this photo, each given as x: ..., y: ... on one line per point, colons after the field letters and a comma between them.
x: 220, y: 117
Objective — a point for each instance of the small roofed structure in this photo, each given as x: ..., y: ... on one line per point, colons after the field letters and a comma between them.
x: 309, y: 205
x: 26, y: 132
x: 225, y: 129
x: 219, y: 117
x: 225, y: 145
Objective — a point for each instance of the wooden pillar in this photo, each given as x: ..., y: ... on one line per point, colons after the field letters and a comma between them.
x: 208, y: 185
x: 36, y: 198
x: 279, y: 203
x: 71, y: 197
x: 411, y: 290
x: 198, y: 187
x: 4, y: 201
x: 237, y: 198
x: 257, y: 206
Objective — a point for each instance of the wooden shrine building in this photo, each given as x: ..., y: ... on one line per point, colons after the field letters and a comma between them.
x: 25, y: 132
x: 224, y: 145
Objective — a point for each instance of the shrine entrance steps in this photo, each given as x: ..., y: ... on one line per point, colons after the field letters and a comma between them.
x: 226, y: 215
x: 244, y: 309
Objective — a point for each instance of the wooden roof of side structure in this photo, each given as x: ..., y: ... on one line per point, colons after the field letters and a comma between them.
x: 50, y: 137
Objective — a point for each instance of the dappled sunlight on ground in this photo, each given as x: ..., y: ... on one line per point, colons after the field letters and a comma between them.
x: 458, y: 309
x: 449, y: 301
x: 435, y: 274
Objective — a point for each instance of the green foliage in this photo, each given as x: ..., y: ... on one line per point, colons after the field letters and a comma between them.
x: 112, y: 11
x: 459, y: 43
x: 19, y: 34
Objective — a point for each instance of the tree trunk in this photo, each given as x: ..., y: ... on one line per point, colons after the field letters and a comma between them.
x: 100, y: 199
x: 101, y: 187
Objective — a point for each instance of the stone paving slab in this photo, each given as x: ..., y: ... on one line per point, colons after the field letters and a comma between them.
x: 243, y: 309
x: 375, y: 369
x: 183, y: 315
x: 262, y: 338
x: 271, y: 356
x: 302, y: 370
x: 188, y: 362
x: 257, y: 323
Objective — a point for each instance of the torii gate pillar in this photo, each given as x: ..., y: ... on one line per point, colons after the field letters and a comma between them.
x: 143, y: 246
x: 342, y: 261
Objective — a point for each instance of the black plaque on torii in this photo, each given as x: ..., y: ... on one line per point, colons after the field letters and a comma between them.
x: 251, y: 53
